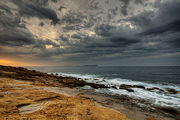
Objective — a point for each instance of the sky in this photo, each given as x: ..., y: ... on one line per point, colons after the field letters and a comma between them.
x: 90, y: 32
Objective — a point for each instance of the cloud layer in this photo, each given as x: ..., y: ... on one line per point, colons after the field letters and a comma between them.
x: 116, y: 32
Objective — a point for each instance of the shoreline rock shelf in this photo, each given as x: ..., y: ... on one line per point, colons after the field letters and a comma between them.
x: 43, y: 79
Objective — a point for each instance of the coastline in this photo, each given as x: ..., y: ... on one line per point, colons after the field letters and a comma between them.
x: 71, y: 87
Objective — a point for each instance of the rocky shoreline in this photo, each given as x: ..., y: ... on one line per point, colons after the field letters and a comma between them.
x: 44, y: 79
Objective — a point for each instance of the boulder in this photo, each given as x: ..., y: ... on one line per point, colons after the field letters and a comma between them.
x: 129, y: 90
x: 131, y: 86
x: 138, y: 86
x: 114, y: 87
x: 126, y: 87
x: 155, y: 88
x: 172, y: 91
x: 96, y: 86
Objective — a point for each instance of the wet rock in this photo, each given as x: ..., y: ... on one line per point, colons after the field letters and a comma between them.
x: 155, y: 88
x: 126, y: 87
x: 123, y: 86
x: 96, y: 86
x: 138, y: 86
x: 109, y: 101
x: 129, y: 90
x: 172, y: 91
x: 131, y: 86
x: 169, y: 110
x: 114, y: 87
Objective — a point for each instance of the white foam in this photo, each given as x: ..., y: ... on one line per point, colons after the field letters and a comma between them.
x: 154, y: 97
x: 82, y: 76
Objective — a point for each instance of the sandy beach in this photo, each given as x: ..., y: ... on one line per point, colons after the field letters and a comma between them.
x: 28, y: 94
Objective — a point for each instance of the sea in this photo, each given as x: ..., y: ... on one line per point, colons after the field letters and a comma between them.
x: 162, y: 77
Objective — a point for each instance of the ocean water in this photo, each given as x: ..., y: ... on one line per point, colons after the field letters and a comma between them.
x: 160, y: 77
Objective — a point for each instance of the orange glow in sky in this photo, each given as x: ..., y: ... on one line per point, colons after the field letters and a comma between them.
x: 15, y: 63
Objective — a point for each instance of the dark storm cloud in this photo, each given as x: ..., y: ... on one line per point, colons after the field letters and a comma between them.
x: 49, y: 42
x: 161, y: 27
x: 166, y: 29
x: 75, y: 21
x: 97, y: 31
x: 167, y: 12
x: 12, y: 31
x: 18, y: 38
x: 72, y: 28
x: 175, y: 43
x: 76, y: 36
x: 73, y: 17
x: 7, y: 20
x: 105, y: 30
x: 124, y: 41
x: 143, y: 19
x: 124, y: 8
x: 29, y: 9
x: 113, y: 11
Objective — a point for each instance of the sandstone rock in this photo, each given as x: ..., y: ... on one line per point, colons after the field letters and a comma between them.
x: 1, y: 95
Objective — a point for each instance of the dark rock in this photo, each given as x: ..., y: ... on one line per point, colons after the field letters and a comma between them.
x: 155, y: 88
x: 1, y: 95
x: 114, y: 87
x: 129, y: 90
x: 169, y: 110
x: 172, y: 91
x: 138, y: 86
x: 96, y: 86
x: 123, y: 86
x: 22, y: 105
x: 109, y: 101
x: 126, y: 87
x: 131, y: 86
